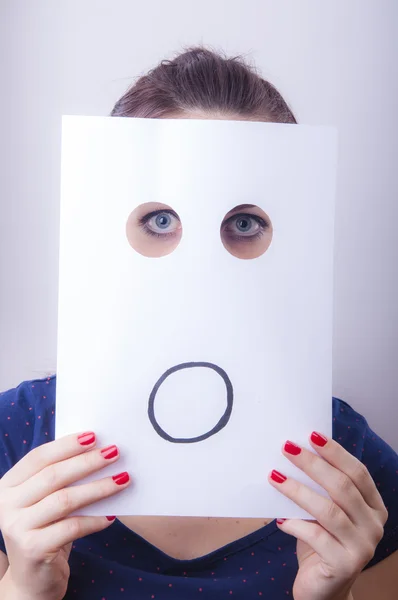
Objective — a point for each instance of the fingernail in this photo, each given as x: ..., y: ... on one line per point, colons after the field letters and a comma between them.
x: 280, y: 521
x: 278, y: 477
x: 121, y: 478
x: 87, y: 438
x: 111, y: 518
x: 110, y: 452
x: 291, y: 448
x: 318, y: 439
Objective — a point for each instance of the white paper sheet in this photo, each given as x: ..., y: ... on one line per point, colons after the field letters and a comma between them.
x: 262, y: 326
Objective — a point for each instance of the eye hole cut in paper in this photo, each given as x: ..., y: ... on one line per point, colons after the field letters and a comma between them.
x: 246, y: 231
x: 222, y: 422
x: 154, y: 229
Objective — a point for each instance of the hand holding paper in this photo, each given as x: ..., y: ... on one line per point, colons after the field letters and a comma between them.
x: 333, y: 550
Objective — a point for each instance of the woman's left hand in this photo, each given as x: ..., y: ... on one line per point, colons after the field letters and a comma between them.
x: 332, y: 551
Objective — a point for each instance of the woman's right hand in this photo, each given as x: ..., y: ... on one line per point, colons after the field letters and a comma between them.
x: 35, y: 505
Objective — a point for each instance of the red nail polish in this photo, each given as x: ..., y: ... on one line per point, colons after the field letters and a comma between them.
x: 318, y: 439
x: 110, y: 452
x: 121, y: 478
x: 280, y: 521
x: 111, y: 518
x: 291, y: 448
x: 278, y: 477
x: 87, y: 438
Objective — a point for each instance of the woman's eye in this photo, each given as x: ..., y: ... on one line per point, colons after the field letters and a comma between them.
x: 245, y: 226
x: 153, y: 229
x: 161, y: 223
x: 246, y: 234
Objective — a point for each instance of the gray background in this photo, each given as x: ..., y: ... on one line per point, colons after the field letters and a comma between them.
x: 335, y: 63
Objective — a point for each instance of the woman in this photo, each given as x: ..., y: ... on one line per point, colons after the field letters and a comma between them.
x: 45, y: 554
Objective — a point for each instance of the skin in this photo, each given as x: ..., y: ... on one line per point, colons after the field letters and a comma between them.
x: 239, y: 247
x: 148, y: 245
x: 332, y: 550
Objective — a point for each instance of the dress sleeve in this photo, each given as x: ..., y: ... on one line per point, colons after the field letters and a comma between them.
x: 26, y: 421
x: 10, y: 427
x: 353, y: 432
x: 382, y: 463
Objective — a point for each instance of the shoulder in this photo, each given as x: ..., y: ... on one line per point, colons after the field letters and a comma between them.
x: 26, y: 419
x: 352, y: 431
x: 349, y: 427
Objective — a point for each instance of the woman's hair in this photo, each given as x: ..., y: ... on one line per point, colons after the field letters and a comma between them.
x: 205, y: 81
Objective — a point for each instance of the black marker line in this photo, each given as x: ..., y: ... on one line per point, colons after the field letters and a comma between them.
x: 221, y: 423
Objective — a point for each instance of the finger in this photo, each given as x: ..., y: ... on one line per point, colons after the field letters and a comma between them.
x: 47, y: 454
x: 339, y: 486
x: 338, y: 457
x: 61, y: 474
x: 65, y: 501
x: 324, y: 544
x: 64, y: 532
x: 324, y: 510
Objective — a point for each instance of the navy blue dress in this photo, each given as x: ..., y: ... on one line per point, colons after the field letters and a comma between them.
x: 119, y: 564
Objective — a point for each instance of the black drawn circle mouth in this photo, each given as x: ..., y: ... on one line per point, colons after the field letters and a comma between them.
x: 217, y: 427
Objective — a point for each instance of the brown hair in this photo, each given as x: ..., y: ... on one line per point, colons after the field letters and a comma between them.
x: 202, y: 80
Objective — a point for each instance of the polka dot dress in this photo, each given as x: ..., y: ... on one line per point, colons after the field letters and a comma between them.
x: 119, y: 564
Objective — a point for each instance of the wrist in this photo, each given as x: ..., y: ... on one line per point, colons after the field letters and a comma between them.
x: 9, y: 591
